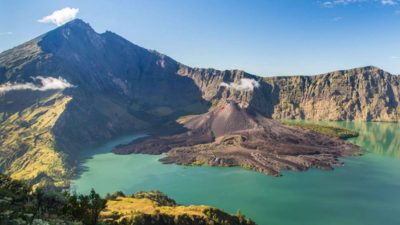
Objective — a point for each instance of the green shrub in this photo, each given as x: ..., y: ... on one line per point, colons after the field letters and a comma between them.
x: 323, y: 129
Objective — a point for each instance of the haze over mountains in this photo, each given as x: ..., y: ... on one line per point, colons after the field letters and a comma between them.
x: 72, y: 87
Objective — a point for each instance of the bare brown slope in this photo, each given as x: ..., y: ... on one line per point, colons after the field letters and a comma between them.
x: 233, y: 136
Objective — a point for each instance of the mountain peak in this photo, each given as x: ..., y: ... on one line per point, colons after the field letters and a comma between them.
x: 74, y: 35
x: 77, y: 23
x: 74, y: 27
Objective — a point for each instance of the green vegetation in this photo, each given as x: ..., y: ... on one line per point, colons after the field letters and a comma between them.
x: 323, y: 129
x: 20, y: 204
x: 27, y: 150
x: 155, y: 196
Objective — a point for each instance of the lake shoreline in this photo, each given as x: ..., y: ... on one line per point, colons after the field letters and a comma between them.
x: 366, y: 185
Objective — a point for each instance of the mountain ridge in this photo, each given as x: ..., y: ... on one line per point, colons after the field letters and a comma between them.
x: 120, y: 88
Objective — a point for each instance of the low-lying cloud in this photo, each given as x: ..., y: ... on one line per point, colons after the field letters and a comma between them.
x: 245, y: 84
x: 59, y: 17
x: 41, y: 84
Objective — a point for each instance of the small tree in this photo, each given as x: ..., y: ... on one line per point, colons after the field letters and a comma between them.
x: 85, y: 208
x: 96, y: 205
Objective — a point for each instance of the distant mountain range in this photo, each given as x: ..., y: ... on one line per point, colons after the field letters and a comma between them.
x: 72, y: 87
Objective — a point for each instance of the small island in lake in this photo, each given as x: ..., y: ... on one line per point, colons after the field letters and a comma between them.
x: 234, y: 135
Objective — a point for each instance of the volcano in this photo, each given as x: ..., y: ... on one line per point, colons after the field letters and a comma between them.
x: 233, y: 135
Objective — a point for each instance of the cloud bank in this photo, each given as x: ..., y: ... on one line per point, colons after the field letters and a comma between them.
x: 245, y: 84
x: 59, y: 17
x: 42, y: 84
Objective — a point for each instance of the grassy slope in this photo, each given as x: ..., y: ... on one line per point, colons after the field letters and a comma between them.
x: 133, y: 208
x: 129, y: 207
x: 27, y: 150
x: 323, y: 129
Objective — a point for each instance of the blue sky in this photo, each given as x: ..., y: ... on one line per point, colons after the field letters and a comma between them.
x: 263, y: 37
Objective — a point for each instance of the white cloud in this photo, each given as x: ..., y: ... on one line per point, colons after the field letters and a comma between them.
x: 59, y: 17
x: 42, y: 84
x: 327, y: 4
x: 388, y: 2
x: 245, y: 84
x: 332, y: 3
x: 395, y: 57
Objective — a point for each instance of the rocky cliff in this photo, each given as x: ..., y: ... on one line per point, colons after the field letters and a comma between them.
x: 364, y: 94
x: 260, y: 96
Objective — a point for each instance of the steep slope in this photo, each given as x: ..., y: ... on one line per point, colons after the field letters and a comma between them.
x: 231, y: 135
x: 27, y: 143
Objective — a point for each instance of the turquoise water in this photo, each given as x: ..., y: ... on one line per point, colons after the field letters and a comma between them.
x: 365, y: 191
